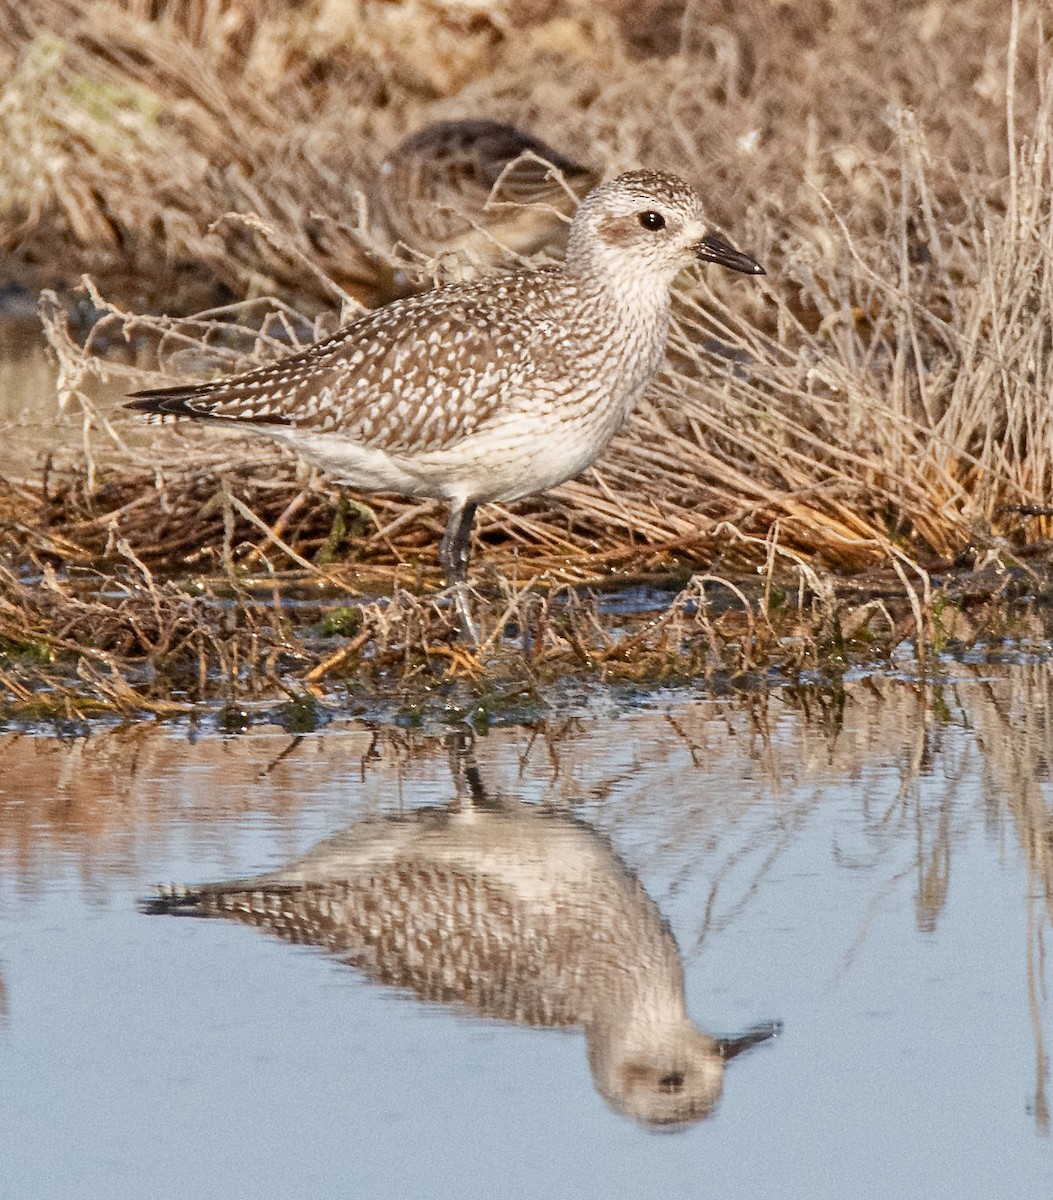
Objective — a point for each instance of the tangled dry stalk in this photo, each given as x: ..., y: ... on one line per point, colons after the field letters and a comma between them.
x: 885, y: 400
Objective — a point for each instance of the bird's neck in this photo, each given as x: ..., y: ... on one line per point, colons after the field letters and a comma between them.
x: 636, y: 305
x: 604, y: 275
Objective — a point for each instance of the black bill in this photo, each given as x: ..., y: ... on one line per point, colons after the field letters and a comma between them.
x: 715, y: 247
x: 732, y: 1047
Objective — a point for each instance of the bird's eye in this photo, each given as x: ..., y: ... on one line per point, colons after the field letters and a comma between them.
x: 652, y: 220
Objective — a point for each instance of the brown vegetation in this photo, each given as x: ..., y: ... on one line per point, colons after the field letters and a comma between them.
x: 884, y: 399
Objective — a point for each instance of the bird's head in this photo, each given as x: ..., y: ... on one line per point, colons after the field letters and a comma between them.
x: 648, y: 224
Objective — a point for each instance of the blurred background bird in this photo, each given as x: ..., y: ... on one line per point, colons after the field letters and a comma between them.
x: 479, y: 188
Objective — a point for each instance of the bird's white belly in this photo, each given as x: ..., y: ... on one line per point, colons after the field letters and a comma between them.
x: 364, y: 468
x: 518, y: 454
x: 522, y: 453
x: 513, y: 460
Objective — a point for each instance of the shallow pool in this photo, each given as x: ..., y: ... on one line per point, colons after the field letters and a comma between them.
x: 791, y: 944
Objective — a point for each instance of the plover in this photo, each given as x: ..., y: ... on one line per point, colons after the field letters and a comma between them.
x: 509, y: 911
x: 477, y: 188
x: 489, y: 390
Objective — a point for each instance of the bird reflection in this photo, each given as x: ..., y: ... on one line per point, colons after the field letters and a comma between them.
x: 510, y: 911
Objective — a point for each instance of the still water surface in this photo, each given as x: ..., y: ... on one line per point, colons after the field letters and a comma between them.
x: 515, y: 958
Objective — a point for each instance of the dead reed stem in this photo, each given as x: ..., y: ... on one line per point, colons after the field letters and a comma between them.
x: 883, y: 400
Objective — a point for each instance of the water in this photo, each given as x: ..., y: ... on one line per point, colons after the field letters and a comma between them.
x: 873, y: 869
x: 34, y: 429
x: 27, y: 404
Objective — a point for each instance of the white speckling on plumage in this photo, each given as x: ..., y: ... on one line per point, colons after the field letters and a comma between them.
x: 487, y: 390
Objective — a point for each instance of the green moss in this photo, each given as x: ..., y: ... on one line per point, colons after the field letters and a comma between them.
x: 111, y: 104
x: 232, y: 719
x: 40, y: 60
x: 940, y: 708
x: 344, y: 621
x: 352, y: 521
x: 26, y: 652
x: 300, y: 716
x: 114, y: 110
x: 776, y: 598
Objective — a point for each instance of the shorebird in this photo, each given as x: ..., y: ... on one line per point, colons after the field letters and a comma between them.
x: 509, y: 911
x: 489, y: 390
x: 479, y: 188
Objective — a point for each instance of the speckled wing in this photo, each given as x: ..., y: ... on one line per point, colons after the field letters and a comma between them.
x: 420, y: 374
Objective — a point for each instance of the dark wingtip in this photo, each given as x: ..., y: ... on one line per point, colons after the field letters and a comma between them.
x: 196, y: 402
x: 167, y: 401
x: 169, y: 900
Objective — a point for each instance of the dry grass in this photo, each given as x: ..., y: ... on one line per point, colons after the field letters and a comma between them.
x: 883, y: 399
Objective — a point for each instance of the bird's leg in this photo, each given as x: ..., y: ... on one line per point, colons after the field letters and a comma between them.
x: 454, y: 553
x: 456, y: 548
x: 471, y: 792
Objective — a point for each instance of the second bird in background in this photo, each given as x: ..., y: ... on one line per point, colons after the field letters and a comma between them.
x: 479, y: 189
